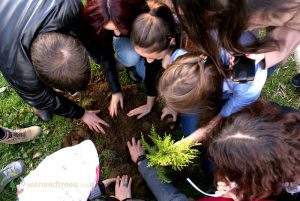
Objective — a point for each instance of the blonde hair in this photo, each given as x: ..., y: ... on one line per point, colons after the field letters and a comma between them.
x: 192, y: 84
x: 168, y: 3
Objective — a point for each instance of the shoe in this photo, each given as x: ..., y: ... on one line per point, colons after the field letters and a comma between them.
x: 42, y: 114
x: 21, y: 135
x: 11, y: 172
x: 133, y: 74
x: 296, y: 80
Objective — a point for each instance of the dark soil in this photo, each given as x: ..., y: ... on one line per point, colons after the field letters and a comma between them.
x: 111, y: 146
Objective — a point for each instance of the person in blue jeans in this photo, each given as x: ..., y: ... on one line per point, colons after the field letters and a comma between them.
x: 163, y: 40
x: 158, y: 47
x: 155, y: 36
x: 192, y: 85
x: 103, y: 22
x: 127, y: 56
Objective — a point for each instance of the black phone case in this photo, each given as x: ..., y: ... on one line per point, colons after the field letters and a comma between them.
x: 243, y: 69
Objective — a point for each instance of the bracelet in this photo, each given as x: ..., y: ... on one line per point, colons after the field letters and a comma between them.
x: 140, y: 158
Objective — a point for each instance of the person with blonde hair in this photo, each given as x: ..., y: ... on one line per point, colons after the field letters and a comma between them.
x: 192, y: 84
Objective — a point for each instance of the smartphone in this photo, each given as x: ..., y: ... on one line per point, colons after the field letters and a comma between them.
x: 243, y: 69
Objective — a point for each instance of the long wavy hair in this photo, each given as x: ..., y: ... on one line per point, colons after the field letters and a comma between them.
x: 258, y: 148
x: 214, y: 24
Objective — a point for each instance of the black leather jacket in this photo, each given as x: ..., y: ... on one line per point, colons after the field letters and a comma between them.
x: 21, y: 21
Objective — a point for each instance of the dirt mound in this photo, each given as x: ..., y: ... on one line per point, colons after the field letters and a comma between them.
x: 111, y: 146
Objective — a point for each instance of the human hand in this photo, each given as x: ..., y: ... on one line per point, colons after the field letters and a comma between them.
x: 256, y: 57
x: 140, y: 111
x: 107, y: 182
x: 123, y: 187
x: 115, y: 100
x: 135, y: 149
x: 226, y: 190
x: 168, y: 111
x: 93, y: 121
x: 231, y: 61
x: 144, y: 109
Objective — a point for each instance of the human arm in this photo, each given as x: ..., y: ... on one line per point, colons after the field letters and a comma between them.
x: 152, y: 75
x: 281, y: 20
x: 240, y: 95
x: 42, y: 97
x: 16, y: 64
x: 47, y: 99
x: 98, y: 48
x: 201, y: 133
x: 287, y: 40
x: 109, y: 63
x: 162, y: 191
x: 143, y: 110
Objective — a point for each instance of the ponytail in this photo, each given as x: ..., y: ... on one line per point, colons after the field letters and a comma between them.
x: 155, y: 29
x: 192, y: 84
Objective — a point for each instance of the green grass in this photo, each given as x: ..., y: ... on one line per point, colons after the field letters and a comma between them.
x: 279, y: 88
x: 16, y: 114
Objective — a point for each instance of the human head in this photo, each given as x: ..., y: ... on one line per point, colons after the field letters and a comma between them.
x: 199, y: 18
x: 191, y: 84
x: 60, y: 61
x: 115, y: 15
x: 154, y: 33
x: 258, y: 152
x: 214, y: 24
x: 166, y: 2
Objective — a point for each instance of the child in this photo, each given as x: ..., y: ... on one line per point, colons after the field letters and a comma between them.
x: 69, y: 174
x: 192, y: 85
x: 108, y: 23
x: 256, y: 148
x: 155, y: 37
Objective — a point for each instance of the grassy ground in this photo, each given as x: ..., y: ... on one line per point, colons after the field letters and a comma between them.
x: 279, y: 88
x: 16, y: 114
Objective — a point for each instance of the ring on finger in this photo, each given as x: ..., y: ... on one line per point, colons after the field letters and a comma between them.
x: 125, y: 185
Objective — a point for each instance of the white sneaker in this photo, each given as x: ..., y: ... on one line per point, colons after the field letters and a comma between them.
x: 11, y: 172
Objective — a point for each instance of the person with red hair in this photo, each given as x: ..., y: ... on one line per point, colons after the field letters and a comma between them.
x: 255, y: 155
x: 105, y: 21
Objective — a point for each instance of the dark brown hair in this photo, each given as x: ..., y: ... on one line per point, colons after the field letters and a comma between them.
x: 155, y: 29
x: 212, y: 24
x: 192, y: 84
x: 122, y: 13
x: 61, y: 61
x: 259, y: 150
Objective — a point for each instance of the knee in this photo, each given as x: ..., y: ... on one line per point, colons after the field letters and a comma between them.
x: 129, y: 59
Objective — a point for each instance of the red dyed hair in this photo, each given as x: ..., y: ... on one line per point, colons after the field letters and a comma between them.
x: 122, y: 13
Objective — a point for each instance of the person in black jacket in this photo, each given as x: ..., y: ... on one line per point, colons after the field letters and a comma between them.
x: 21, y: 23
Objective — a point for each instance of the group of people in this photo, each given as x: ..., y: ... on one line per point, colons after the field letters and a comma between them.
x: 203, y: 59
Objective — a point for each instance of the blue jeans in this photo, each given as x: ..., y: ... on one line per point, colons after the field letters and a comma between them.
x: 128, y: 56
x: 189, y: 123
